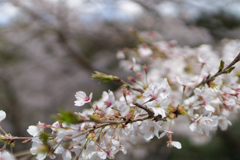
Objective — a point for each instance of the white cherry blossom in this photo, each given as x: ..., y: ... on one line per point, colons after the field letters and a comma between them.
x: 82, y: 98
x: 149, y: 128
x: 203, y: 123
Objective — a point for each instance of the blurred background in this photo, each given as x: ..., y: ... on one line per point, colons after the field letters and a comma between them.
x: 50, y: 48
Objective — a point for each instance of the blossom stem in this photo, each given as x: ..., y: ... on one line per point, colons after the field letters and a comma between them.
x: 2, y: 130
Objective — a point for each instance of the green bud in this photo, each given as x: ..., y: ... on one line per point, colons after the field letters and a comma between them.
x: 221, y: 65
x: 104, y: 77
x: 94, y: 117
x: 229, y: 70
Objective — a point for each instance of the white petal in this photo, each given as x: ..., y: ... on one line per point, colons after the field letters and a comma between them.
x: 34, y: 150
x: 120, y: 55
x: 67, y: 155
x: 209, y: 108
x: 193, y: 127
x: 162, y: 135
x: 80, y: 95
x: 41, y: 156
x: 111, y: 96
x: 223, y: 125
x: 144, y: 51
x: 102, y: 155
x: 79, y: 103
x: 134, y: 61
x: 33, y: 131
x: 148, y: 136
x: 158, y: 110
x: 5, y: 155
x: 229, y: 122
x: 115, y: 142
x: 230, y: 102
x: 2, y: 115
x: 125, y: 109
x: 179, y: 80
x: 90, y: 96
x: 52, y: 156
x: 206, y: 130
x: 197, y: 91
x: 176, y: 144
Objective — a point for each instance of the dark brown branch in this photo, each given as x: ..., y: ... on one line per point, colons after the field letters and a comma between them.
x: 150, y: 113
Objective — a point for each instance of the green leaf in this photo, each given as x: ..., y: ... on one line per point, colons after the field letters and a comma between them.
x: 68, y: 117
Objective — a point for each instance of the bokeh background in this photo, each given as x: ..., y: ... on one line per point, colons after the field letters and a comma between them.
x: 50, y: 48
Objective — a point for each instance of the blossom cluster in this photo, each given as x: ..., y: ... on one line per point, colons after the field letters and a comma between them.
x: 173, y: 85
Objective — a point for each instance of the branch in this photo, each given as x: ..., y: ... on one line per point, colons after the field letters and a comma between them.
x: 226, y: 70
x: 150, y: 113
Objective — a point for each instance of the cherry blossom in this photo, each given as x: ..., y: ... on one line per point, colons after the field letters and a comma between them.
x: 35, y: 149
x: 108, y: 98
x: 36, y: 130
x: 82, y: 98
x: 159, y: 105
x: 150, y: 129
x: 203, y: 123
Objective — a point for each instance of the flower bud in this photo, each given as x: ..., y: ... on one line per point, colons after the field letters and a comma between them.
x: 131, y: 79
x: 104, y: 77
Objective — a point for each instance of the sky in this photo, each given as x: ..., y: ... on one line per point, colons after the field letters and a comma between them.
x: 8, y: 11
x: 126, y: 10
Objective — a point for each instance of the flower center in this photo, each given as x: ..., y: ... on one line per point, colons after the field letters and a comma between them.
x: 86, y: 98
